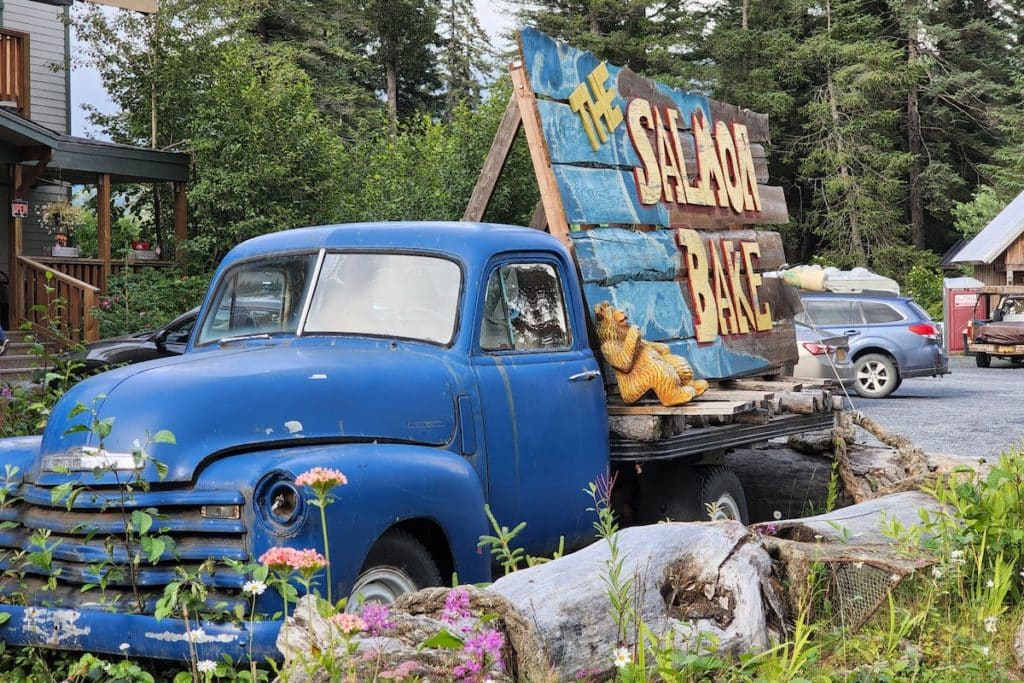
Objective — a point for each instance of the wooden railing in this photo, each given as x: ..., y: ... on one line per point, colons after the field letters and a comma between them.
x: 57, y: 305
x: 90, y: 270
x: 15, y: 74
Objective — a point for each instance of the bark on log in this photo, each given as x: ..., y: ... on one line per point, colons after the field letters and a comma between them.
x: 690, y: 579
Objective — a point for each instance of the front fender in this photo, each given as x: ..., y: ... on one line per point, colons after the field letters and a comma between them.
x: 387, y: 484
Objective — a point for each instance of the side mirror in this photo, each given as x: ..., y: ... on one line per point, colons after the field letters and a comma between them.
x: 161, y: 339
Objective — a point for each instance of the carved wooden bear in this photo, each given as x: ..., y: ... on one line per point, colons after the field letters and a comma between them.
x: 640, y: 365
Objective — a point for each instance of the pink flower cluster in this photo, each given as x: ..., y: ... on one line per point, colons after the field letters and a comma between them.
x: 377, y: 618
x: 321, y: 477
x: 456, y: 606
x: 348, y: 623
x: 402, y: 671
x: 484, y: 650
x: 307, y: 560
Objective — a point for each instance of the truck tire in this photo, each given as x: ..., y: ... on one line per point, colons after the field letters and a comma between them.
x: 396, y: 564
x: 876, y: 375
x: 983, y: 360
x: 721, y: 494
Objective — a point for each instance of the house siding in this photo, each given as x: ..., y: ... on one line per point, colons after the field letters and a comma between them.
x: 45, y: 26
x: 49, y: 106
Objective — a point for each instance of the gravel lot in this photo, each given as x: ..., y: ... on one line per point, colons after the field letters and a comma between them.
x: 972, y: 413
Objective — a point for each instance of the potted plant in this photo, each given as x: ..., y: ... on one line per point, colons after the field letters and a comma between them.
x: 61, y: 218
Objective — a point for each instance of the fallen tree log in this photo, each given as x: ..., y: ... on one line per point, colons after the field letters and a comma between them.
x: 689, y: 580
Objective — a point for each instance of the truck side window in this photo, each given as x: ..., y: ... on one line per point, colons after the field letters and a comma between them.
x: 524, y: 309
x: 832, y: 313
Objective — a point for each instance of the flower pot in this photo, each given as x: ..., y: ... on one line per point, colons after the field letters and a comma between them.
x: 66, y: 252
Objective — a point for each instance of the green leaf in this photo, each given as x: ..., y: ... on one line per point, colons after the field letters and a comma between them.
x: 4, y: 616
x: 153, y: 547
x: 443, y: 639
x: 164, y: 436
x: 141, y: 521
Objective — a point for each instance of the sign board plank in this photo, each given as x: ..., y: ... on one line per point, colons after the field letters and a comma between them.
x: 689, y: 176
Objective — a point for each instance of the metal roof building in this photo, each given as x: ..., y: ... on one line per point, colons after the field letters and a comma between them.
x: 997, y: 252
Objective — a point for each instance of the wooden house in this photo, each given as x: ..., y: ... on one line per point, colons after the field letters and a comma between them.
x: 43, y: 161
x: 997, y: 252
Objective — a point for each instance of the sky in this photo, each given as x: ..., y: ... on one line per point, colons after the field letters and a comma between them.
x: 86, y: 87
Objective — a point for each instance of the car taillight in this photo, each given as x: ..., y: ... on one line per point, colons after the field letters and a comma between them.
x: 925, y: 330
x: 818, y: 349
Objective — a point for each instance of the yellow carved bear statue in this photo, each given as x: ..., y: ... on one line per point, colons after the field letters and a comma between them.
x: 640, y: 365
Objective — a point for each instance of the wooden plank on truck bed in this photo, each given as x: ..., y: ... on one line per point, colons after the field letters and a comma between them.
x: 692, y: 408
x: 762, y: 385
x: 735, y: 395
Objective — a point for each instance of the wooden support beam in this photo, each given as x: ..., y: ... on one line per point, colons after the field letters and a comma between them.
x: 29, y: 178
x: 540, y: 219
x: 501, y: 146
x: 180, y: 221
x: 103, y: 226
x: 16, y: 246
x: 549, y: 195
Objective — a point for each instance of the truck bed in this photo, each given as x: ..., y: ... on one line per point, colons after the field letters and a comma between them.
x: 731, y: 414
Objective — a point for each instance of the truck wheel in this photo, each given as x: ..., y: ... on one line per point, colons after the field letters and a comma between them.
x: 722, y: 494
x: 396, y: 564
x: 876, y: 376
x: 983, y: 360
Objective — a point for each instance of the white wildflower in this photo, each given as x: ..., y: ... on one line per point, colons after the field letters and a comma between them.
x: 990, y: 584
x: 777, y: 515
x: 622, y: 657
x: 254, y: 587
x: 957, y: 557
x: 206, y: 666
x: 123, y: 646
x: 984, y: 651
x: 818, y: 537
x: 990, y: 624
x: 937, y: 572
x: 196, y: 636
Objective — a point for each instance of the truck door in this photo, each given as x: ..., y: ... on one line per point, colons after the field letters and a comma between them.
x: 545, y: 425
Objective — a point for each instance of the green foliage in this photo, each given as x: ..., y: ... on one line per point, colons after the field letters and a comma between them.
x: 147, y: 299
x: 971, y: 217
x: 428, y: 170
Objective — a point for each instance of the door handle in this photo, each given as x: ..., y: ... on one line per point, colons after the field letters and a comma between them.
x: 584, y: 376
x: 852, y: 332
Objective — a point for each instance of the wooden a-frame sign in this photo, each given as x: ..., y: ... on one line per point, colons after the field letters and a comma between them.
x: 655, y: 191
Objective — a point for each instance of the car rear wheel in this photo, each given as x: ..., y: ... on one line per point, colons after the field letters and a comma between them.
x: 397, y: 564
x: 983, y: 360
x: 876, y: 376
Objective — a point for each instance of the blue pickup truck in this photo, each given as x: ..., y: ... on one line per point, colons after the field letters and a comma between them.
x: 440, y: 366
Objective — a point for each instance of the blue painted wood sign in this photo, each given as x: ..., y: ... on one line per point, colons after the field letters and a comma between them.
x: 662, y: 189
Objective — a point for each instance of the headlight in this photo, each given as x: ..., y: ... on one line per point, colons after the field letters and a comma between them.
x: 279, y: 504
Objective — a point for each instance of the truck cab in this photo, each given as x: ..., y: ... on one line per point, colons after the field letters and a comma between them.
x: 440, y: 367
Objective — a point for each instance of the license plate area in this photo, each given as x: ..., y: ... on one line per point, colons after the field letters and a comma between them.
x: 1005, y: 349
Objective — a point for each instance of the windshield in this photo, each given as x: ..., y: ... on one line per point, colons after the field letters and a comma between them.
x: 259, y: 297
x: 386, y: 295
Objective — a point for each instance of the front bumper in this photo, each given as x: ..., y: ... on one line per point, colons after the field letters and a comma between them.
x: 101, y: 631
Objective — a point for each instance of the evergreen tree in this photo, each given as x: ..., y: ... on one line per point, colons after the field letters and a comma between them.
x: 312, y: 34
x: 402, y: 41
x: 652, y: 38
x: 466, y: 55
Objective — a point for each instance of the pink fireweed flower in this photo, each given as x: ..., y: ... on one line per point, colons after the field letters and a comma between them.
x: 348, y: 623
x: 377, y: 618
x: 484, y: 655
x: 456, y: 606
x: 6, y: 392
x: 321, y: 479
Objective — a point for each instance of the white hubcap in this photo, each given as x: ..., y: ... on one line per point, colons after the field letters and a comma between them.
x: 725, y: 508
x: 381, y: 585
x: 873, y: 376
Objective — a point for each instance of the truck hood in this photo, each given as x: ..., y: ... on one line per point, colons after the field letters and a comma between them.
x: 256, y: 397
